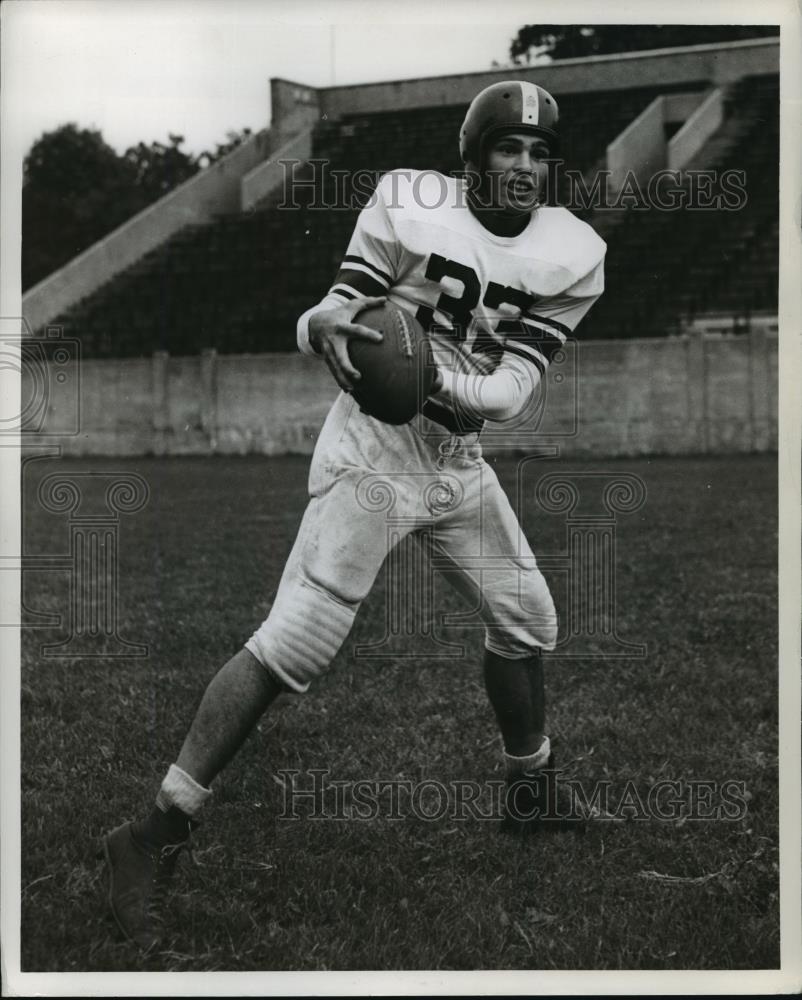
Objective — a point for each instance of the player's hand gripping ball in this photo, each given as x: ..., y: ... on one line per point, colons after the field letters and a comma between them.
x: 398, y: 373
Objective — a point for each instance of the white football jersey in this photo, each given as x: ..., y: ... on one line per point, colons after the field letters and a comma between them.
x: 480, y: 296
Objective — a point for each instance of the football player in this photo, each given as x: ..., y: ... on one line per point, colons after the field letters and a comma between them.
x: 500, y: 280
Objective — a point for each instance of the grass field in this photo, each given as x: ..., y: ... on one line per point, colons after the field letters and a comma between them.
x: 198, y: 566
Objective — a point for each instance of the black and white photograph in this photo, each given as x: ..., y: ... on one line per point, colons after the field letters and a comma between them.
x: 401, y: 499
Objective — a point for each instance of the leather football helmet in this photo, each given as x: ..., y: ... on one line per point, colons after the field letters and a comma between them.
x: 513, y: 105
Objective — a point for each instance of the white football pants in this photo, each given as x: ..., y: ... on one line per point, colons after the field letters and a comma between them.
x: 370, y: 485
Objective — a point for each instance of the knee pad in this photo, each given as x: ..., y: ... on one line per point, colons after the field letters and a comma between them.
x: 302, y: 634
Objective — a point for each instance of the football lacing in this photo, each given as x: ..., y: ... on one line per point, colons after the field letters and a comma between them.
x: 406, y: 337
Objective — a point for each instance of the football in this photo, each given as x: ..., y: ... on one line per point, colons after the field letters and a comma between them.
x: 398, y: 373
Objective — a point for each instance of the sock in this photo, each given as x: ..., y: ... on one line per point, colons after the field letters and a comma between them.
x: 171, y: 820
x: 181, y: 790
x: 518, y: 767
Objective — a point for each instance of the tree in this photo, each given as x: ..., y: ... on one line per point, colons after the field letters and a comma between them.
x: 76, y: 189
x: 233, y: 139
x: 157, y: 168
x: 561, y: 41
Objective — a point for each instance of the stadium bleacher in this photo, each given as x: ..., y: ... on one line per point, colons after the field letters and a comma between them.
x: 666, y: 266
x: 238, y: 284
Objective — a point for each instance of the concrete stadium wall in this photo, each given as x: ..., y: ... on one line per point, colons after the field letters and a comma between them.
x: 268, y: 177
x: 717, y: 64
x: 640, y: 149
x: 698, y: 128
x: 685, y: 395
x: 295, y: 107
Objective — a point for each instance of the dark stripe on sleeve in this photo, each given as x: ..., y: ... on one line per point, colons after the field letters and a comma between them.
x: 541, y: 340
x: 519, y: 352
x: 489, y: 346
x: 360, y: 281
x: 353, y: 259
x: 550, y: 322
x: 342, y: 293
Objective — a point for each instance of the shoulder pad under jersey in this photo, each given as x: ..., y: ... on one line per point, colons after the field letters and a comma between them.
x: 414, y: 191
x: 572, y: 244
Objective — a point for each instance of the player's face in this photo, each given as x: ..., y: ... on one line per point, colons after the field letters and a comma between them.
x: 517, y: 168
